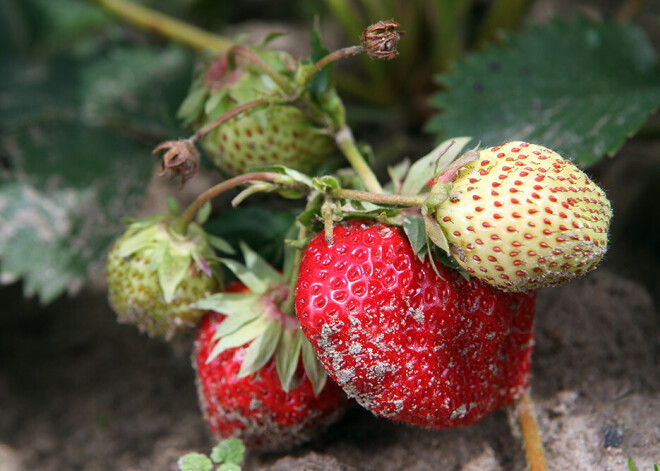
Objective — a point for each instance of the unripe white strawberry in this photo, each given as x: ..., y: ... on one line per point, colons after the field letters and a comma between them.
x: 521, y: 217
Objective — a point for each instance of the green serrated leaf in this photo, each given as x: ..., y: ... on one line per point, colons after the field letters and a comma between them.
x: 231, y: 450
x: 288, y: 356
x: 577, y: 86
x: 261, y: 349
x: 228, y: 304
x: 245, y: 334
x: 259, y: 266
x: 195, y: 462
x: 313, y: 367
x: 172, y: 269
x: 423, y: 169
x: 414, y: 227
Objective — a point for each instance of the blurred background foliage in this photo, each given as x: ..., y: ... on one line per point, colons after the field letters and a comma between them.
x: 85, y: 96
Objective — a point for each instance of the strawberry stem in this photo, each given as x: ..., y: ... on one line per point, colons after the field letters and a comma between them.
x: 289, y: 304
x: 346, y: 143
x: 531, y: 436
x: 167, y: 26
x: 259, y: 62
x: 330, y: 58
x: 204, y: 130
x: 191, y: 211
x: 378, y: 198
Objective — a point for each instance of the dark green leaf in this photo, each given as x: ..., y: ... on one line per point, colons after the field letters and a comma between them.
x: 321, y: 82
x: 261, y: 228
x: 68, y: 139
x: 577, y: 86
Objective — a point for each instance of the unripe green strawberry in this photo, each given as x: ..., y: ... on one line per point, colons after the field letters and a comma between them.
x: 278, y: 134
x: 521, y: 217
x: 154, y: 275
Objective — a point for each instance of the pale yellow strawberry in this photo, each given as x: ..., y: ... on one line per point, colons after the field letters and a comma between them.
x: 521, y: 217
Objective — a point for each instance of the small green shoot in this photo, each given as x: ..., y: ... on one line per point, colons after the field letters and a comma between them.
x: 225, y: 456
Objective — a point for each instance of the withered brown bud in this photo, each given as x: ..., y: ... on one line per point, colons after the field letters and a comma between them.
x: 380, y: 39
x: 181, y: 158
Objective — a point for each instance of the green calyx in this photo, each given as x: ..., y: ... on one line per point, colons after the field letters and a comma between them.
x: 255, y: 317
x: 172, y: 255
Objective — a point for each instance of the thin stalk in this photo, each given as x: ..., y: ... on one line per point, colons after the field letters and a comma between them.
x: 531, y: 436
x: 289, y: 304
x: 380, y: 198
x: 167, y: 26
x: 346, y: 143
x: 191, y: 211
x: 207, y: 128
x: 259, y: 62
x: 330, y: 58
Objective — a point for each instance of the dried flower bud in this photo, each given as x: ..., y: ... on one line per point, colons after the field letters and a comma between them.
x: 181, y: 158
x: 380, y: 39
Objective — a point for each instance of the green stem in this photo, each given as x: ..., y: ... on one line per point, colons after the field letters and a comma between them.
x: 330, y: 58
x: 346, y: 143
x: 531, y: 436
x: 259, y: 62
x: 164, y: 25
x: 289, y: 304
x: 191, y: 211
x: 378, y: 198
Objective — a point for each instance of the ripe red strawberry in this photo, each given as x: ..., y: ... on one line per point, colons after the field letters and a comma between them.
x: 521, y: 217
x: 434, y: 351
x: 275, y: 135
x: 154, y: 276
x: 257, y: 377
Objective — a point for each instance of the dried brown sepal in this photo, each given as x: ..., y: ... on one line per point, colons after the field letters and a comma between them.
x: 380, y: 39
x: 181, y: 158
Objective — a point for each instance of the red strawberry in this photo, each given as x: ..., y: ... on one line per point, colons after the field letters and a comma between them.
x: 257, y: 377
x: 435, y: 351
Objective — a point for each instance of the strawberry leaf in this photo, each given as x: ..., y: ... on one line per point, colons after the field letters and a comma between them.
x: 259, y: 266
x: 288, y: 356
x: 424, y: 169
x: 229, y: 304
x: 172, y: 269
x: 261, y: 349
x: 315, y: 372
x: 76, y: 148
x: 414, y: 228
x: 245, y: 334
x: 577, y: 86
